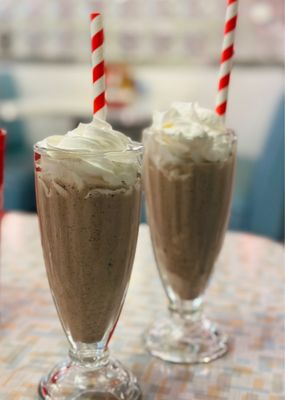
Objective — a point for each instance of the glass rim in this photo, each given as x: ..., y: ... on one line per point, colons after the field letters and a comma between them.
x: 134, y: 146
x: 230, y: 131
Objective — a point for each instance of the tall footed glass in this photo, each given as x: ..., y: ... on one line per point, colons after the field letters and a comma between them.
x: 188, y: 205
x: 89, y: 228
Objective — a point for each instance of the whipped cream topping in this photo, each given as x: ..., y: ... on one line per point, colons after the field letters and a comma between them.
x: 187, y: 131
x: 91, y: 152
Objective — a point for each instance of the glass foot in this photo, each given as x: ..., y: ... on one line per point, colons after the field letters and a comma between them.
x: 182, y: 340
x: 70, y: 380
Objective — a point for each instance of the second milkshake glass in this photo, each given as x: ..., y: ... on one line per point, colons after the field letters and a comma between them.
x: 89, y: 233
x: 188, y: 207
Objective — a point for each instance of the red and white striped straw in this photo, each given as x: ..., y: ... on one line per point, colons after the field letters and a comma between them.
x: 227, y: 57
x: 98, y: 66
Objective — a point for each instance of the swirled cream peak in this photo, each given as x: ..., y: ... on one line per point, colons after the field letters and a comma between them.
x: 97, y: 136
x: 91, y: 152
x: 188, y: 131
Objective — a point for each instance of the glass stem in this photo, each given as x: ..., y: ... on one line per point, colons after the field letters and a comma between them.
x: 95, y: 355
x: 186, y: 309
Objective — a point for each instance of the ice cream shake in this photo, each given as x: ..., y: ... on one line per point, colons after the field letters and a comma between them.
x: 188, y: 177
x: 189, y: 166
x: 88, y: 186
x: 88, y: 198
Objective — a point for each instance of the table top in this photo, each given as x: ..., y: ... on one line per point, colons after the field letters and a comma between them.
x: 245, y: 297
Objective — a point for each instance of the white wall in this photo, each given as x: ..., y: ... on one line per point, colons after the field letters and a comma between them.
x: 57, y: 92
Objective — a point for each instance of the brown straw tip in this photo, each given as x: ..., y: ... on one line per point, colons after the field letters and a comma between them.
x: 94, y: 15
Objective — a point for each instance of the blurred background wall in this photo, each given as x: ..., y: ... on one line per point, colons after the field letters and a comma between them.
x: 157, y: 51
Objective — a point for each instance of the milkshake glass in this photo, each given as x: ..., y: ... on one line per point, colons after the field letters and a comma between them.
x: 188, y: 177
x: 88, y: 190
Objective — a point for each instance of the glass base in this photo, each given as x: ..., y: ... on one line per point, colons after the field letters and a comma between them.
x: 185, y: 340
x: 71, y: 380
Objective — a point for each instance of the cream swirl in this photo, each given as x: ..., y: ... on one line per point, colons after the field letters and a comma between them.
x: 188, y: 131
x: 91, y: 151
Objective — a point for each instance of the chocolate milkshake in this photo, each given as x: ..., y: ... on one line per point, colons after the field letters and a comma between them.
x: 187, y: 232
x: 188, y: 182
x: 188, y: 175
x: 90, y: 270
x: 88, y: 198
